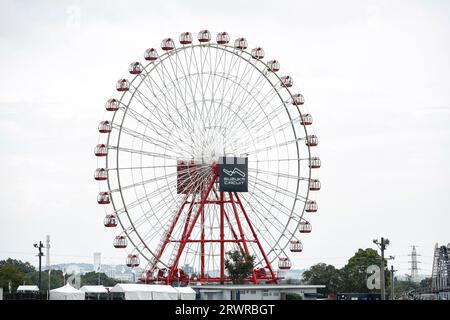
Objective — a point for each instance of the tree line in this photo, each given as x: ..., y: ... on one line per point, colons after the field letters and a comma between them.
x: 14, y: 273
x: 352, y: 277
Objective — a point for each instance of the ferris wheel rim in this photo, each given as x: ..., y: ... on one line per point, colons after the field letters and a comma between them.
x: 274, y: 86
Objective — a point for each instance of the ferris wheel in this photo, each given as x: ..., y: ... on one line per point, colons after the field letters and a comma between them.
x: 207, y: 149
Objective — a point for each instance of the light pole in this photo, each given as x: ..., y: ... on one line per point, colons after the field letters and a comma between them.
x: 40, y: 254
x: 382, y: 245
x: 392, y: 277
x: 392, y: 282
x: 48, y: 290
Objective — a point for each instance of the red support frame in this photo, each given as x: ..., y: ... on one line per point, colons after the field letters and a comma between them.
x: 192, y: 218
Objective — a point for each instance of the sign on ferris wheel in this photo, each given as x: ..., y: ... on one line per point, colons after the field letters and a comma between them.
x: 206, y: 148
x: 233, y: 174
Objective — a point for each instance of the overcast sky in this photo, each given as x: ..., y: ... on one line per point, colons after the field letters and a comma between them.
x: 376, y: 76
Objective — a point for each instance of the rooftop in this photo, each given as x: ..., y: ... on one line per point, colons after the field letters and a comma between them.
x: 256, y: 287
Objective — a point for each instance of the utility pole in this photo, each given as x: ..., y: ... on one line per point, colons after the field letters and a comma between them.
x: 382, y: 245
x: 48, y: 289
x: 40, y: 254
x: 47, y: 263
x: 392, y: 282
x: 392, y: 277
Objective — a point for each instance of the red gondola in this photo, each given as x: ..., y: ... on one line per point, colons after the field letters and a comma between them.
x: 100, y: 174
x: 123, y: 85
x: 110, y: 221
x: 150, y: 54
x: 311, y: 206
x: 120, y: 242
x: 295, y: 246
x: 132, y: 260
x: 305, y: 227
x: 315, y: 163
x: 306, y: 119
x: 298, y: 99
x: 185, y: 38
x: 284, y: 263
x: 112, y: 105
x: 258, y: 53
x: 314, y: 185
x: 168, y: 44
x: 312, y: 141
x: 286, y: 81
x: 104, y: 127
x: 135, y: 68
x: 204, y: 36
x: 273, y: 65
x: 103, y: 198
x: 240, y: 43
x: 222, y: 38
x: 101, y: 150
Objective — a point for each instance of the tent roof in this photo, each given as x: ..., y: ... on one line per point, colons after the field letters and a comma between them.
x: 66, y: 289
x: 184, y: 289
x: 27, y: 288
x: 134, y: 287
x: 94, y: 289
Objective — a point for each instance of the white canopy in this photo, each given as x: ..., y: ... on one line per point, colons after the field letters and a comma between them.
x: 66, y: 293
x: 27, y: 288
x: 135, y: 291
x: 94, y: 289
x: 185, y: 293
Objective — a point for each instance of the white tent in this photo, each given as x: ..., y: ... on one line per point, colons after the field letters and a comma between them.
x: 94, y: 289
x: 163, y: 292
x: 66, y: 293
x: 27, y: 289
x: 185, y: 293
x: 146, y: 291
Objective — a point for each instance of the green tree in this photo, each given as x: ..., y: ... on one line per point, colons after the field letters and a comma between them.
x: 56, y: 279
x: 294, y: 296
x: 402, y: 287
x: 24, y: 267
x: 290, y: 281
x: 239, y: 265
x: 10, y: 273
x: 92, y: 278
x: 354, y: 273
x: 425, y: 284
x: 29, y: 275
x: 324, y: 274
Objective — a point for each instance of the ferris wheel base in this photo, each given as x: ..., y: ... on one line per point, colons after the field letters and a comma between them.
x: 211, y: 195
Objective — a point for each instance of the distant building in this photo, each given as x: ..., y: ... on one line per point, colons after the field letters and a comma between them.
x: 358, y: 296
x: 255, y: 292
x: 111, y: 273
x: 127, y: 277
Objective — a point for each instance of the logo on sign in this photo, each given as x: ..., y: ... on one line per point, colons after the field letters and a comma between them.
x: 235, y: 171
